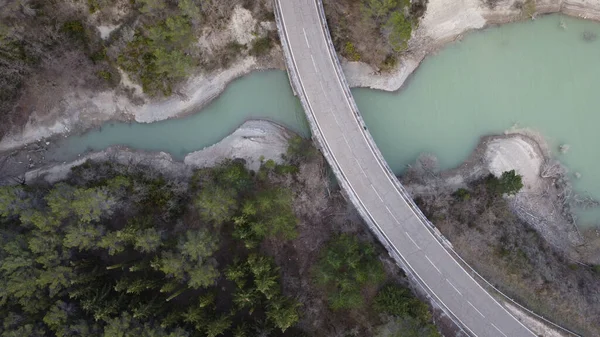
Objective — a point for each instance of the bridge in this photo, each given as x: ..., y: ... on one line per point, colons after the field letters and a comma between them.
x: 369, y: 183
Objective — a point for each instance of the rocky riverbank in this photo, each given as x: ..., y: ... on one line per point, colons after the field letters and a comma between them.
x: 446, y: 21
x: 542, y: 202
x: 77, y: 109
x: 254, y: 141
x: 527, y: 245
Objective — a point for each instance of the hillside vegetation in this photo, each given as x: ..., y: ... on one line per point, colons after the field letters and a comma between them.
x: 373, y: 31
x: 50, y: 48
x: 485, y: 231
x: 123, y: 251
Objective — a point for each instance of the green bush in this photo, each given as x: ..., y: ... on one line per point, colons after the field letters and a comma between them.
x: 350, y: 52
x: 406, y: 327
x: 75, y: 30
x: 389, y: 63
x: 106, y: 75
x: 401, y: 29
x: 347, y: 265
x: 400, y: 302
x: 510, y: 183
x: 93, y: 6
x: 381, y: 9
x: 99, y: 56
x: 231, y: 52
x: 300, y: 149
x: 261, y: 46
x: 462, y: 194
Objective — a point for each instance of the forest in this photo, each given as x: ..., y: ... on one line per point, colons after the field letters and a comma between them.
x: 118, y: 250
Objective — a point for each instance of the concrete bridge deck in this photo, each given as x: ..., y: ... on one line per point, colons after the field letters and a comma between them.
x: 340, y: 132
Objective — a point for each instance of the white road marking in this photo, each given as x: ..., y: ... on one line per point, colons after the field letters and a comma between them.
x: 322, y: 88
x: 346, y: 140
x: 335, y: 119
x: 436, y: 268
x: 314, y: 63
x: 500, y: 331
x: 373, y: 187
x: 306, y: 38
x: 450, y: 283
x: 413, y: 241
x: 392, y: 214
x: 361, y: 169
x: 479, y: 312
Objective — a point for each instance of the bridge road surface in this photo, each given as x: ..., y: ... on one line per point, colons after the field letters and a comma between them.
x: 445, y: 280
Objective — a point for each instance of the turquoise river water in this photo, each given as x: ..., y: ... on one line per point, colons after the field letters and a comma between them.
x: 542, y: 74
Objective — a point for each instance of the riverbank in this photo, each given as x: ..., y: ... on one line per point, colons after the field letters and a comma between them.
x: 254, y: 141
x: 75, y: 108
x: 540, y: 203
x: 81, y: 110
x: 446, y: 21
x: 527, y: 245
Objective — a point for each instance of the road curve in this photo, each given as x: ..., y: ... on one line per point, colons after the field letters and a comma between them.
x: 367, y: 180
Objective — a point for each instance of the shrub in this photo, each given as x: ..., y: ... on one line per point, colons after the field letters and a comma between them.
x: 75, y: 30
x: 389, y: 63
x: 261, y: 46
x: 462, y: 194
x: 104, y: 75
x: 99, y: 56
x: 400, y: 302
x: 93, y: 6
x: 230, y: 53
x: 510, y: 183
x: 300, y: 149
x: 406, y: 327
x: 350, y: 52
x: 401, y: 30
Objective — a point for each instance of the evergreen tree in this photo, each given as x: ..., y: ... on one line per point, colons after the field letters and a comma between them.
x: 345, y: 266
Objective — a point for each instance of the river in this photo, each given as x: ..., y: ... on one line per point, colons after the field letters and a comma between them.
x: 542, y: 75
